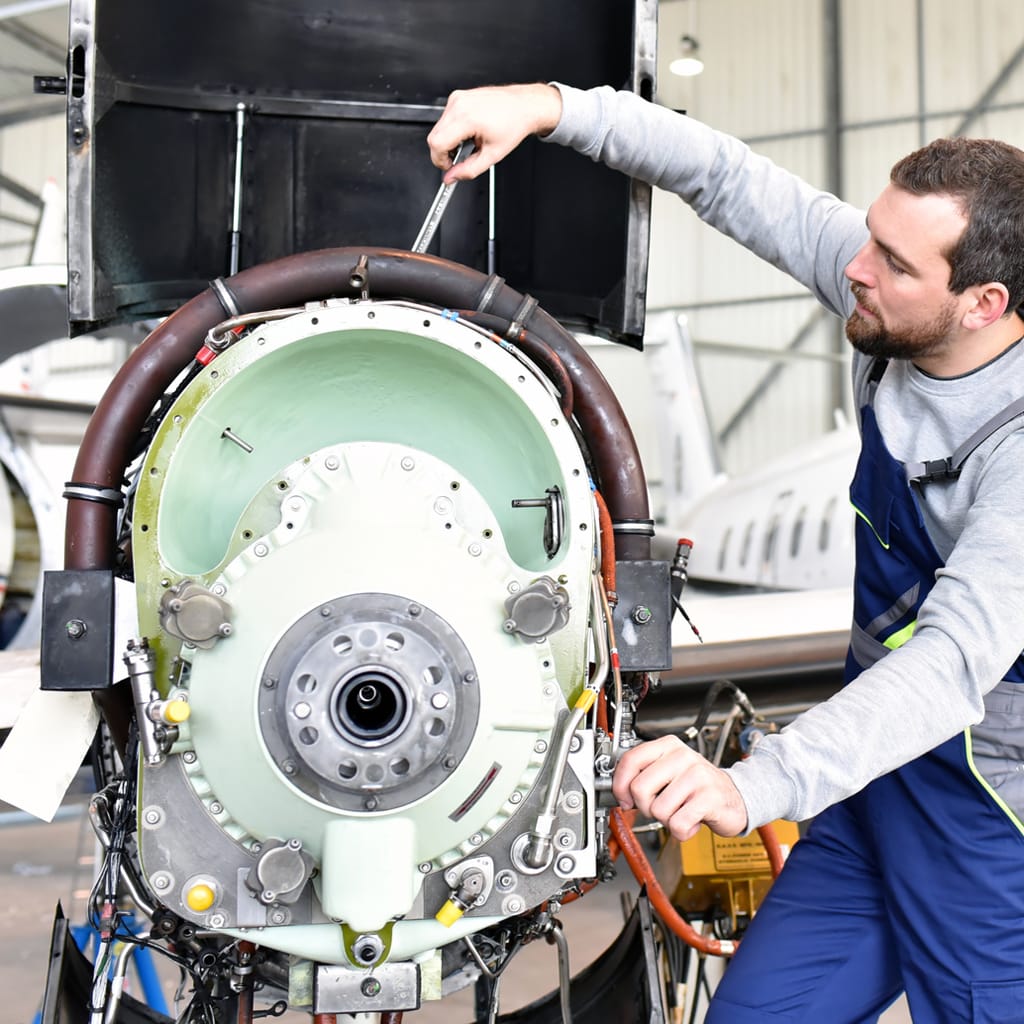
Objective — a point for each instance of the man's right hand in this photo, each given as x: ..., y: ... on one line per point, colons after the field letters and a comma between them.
x: 496, y: 119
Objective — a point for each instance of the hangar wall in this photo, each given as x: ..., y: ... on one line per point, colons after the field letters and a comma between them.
x: 836, y: 90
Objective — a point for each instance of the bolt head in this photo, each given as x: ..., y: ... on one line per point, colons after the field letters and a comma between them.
x: 642, y: 615
x: 370, y: 987
x: 76, y: 629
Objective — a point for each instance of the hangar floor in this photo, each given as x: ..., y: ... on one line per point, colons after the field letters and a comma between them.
x: 41, y: 863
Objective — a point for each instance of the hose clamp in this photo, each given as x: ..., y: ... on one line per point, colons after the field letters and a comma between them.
x: 491, y: 289
x: 634, y: 527
x: 522, y: 314
x: 225, y: 296
x: 92, y: 492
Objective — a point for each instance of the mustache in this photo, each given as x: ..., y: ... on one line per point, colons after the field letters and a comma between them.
x: 859, y: 293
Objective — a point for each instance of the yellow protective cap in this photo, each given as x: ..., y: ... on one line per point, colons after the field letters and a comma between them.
x: 200, y: 897
x: 586, y: 699
x: 449, y: 914
x: 177, y: 711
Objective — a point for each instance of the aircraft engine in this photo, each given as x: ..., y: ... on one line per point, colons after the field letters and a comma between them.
x: 372, y: 578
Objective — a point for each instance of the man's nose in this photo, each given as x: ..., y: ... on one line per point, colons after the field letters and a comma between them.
x: 858, y: 270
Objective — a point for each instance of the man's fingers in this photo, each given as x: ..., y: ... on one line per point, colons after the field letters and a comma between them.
x: 635, y: 761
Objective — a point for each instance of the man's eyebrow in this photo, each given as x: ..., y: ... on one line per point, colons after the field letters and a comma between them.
x: 907, y: 264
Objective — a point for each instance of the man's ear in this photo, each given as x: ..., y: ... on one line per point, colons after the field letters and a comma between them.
x: 990, y: 304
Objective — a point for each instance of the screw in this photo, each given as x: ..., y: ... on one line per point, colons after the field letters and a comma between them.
x: 425, y: 868
x: 161, y: 881
x: 414, y: 610
x: 439, y: 701
x: 289, y: 767
x: 327, y: 611
x: 573, y: 801
x: 152, y: 817
x: 331, y: 462
x: 574, y: 744
x: 370, y: 987
x: 269, y: 682
x: 76, y: 629
x: 260, y: 550
x: 219, y: 589
x: 469, y: 677
x: 566, y: 865
x: 278, y: 916
x: 476, y: 839
x: 370, y: 803
x: 514, y: 587
x: 408, y: 463
x: 218, y: 920
x: 294, y: 844
x: 642, y: 615
x: 505, y: 881
x: 540, y: 746
x: 516, y: 797
x: 189, y: 757
x: 302, y: 710
x: 514, y: 905
x: 475, y: 549
x: 565, y: 840
x: 449, y: 763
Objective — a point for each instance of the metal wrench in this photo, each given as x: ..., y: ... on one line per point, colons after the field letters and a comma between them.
x: 437, y: 207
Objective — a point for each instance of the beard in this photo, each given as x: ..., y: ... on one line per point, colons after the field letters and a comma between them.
x: 871, y: 336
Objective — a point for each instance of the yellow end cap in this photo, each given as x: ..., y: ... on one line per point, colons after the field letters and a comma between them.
x: 177, y: 711
x: 586, y: 699
x: 200, y: 897
x: 449, y: 914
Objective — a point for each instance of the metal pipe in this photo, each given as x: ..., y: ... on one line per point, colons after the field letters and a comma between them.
x: 236, y: 199
x: 564, y: 975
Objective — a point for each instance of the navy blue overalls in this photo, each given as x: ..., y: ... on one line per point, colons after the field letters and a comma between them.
x: 916, y: 882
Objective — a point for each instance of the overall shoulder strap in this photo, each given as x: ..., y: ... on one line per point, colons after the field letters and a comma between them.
x: 949, y: 467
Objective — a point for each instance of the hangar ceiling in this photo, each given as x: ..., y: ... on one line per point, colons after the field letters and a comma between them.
x: 33, y: 41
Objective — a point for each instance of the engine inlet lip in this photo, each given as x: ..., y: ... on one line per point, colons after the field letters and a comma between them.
x: 371, y: 706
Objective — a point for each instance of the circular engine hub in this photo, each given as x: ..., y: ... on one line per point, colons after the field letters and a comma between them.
x: 369, y: 702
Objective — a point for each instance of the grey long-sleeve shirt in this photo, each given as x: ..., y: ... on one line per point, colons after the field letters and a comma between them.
x: 971, y: 627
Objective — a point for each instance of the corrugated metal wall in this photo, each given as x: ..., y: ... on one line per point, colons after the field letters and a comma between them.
x: 907, y: 71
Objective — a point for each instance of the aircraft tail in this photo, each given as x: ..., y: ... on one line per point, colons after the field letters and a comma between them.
x: 689, y: 454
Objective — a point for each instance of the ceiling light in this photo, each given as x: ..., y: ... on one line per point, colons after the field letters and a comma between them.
x: 688, y: 63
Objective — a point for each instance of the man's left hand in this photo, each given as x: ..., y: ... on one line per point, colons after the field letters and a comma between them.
x: 666, y: 780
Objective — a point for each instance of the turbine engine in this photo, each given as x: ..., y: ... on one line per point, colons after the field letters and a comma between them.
x: 371, y: 580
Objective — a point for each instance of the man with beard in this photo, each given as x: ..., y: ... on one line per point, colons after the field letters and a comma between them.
x: 911, y: 876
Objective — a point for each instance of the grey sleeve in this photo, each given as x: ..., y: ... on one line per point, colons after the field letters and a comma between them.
x: 807, y: 233
x: 969, y: 632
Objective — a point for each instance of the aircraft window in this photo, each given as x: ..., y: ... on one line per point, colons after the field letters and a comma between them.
x: 826, y: 525
x: 769, y: 540
x: 724, y: 549
x: 798, y: 529
x: 748, y: 536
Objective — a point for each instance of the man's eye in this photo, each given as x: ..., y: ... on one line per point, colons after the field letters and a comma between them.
x: 893, y: 265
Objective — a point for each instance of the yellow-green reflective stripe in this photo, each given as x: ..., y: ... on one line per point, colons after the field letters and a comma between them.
x: 870, y: 526
x: 998, y: 800
x: 900, y: 637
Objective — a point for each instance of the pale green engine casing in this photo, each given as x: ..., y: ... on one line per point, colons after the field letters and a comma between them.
x: 388, y: 442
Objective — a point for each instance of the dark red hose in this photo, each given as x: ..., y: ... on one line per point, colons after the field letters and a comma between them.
x: 641, y: 868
